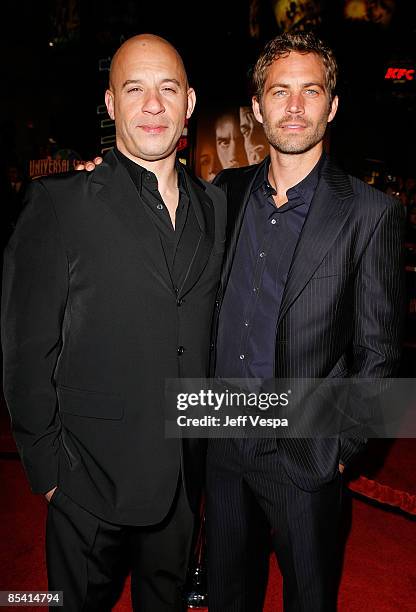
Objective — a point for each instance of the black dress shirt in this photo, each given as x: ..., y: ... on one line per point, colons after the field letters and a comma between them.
x: 250, y: 309
x: 178, y: 245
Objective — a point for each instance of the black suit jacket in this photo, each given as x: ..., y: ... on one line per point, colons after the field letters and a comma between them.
x: 91, y: 329
x: 342, y: 308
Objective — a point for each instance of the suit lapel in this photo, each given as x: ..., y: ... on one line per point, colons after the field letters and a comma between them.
x: 238, y: 194
x: 329, y: 210
x: 116, y: 189
x: 203, y: 209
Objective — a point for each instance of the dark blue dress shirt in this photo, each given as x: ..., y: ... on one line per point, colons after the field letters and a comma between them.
x: 268, y: 238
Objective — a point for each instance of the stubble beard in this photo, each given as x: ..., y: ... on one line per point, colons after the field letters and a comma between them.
x: 295, y: 143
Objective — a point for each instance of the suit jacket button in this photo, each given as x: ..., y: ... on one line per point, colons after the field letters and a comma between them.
x: 180, y: 350
x: 180, y: 302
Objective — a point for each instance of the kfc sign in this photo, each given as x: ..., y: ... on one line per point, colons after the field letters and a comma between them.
x: 400, y: 74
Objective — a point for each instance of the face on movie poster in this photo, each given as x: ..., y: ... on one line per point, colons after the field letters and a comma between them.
x: 228, y: 138
x: 379, y: 12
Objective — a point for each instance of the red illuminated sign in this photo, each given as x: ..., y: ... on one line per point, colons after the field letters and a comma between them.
x: 400, y: 74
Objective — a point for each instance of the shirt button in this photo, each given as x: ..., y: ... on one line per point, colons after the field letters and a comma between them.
x: 180, y: 350
x: 242, y: 356
x: 180, y: 302
x: 255, y: 289
x: 262, y: 254
x: 273, y: 221
x: 159, y: 206
x: 246, y: 323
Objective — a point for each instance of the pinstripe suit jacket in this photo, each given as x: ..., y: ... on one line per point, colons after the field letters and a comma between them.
x: 342, y: 308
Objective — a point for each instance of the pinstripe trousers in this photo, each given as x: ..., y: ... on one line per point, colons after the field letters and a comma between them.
x: 251, y: 505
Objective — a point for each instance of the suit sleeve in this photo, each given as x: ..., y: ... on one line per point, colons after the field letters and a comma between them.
x: 379, y: 307
x: 35, y: 288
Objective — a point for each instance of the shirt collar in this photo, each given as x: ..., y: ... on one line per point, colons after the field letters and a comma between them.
x: 307, y: 186
x: 140, y: 175
x: 262, y: 181
x: 305, y: 189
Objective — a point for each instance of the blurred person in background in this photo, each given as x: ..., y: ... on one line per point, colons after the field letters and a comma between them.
x: 229, y: 140
x: 255, y: 142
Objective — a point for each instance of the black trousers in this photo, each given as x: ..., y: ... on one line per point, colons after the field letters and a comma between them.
x: 252, y: 505
x: 88, y: 558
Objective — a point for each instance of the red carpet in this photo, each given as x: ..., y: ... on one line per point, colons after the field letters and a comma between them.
x: 379, y: 567
x: 389, y: 469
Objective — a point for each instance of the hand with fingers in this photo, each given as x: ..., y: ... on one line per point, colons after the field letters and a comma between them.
x: 89, y: 165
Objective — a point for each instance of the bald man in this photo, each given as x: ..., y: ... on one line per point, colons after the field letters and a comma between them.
x: 109, y: 287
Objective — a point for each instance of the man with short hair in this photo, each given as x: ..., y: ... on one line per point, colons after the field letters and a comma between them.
x: 229, y: 140
x: 311, y: 289
x: 109, y: 287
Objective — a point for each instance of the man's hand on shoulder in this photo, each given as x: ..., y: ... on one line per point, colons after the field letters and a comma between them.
x: 49, y: 494
x: 89, y: 165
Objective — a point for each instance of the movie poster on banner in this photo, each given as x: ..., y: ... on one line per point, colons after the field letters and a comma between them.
x: 229, y: 137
